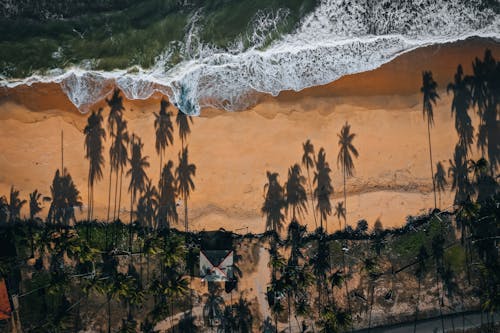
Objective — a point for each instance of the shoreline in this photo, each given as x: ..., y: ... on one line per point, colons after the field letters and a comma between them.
x: 233, y: 150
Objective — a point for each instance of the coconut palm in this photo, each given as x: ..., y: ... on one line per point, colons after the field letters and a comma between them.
x: 115, y: 286
x: 458, y: 171
x: 115, y: 113
x: 296, y: 195
x: 461, y: 103
x: 324, y: 188
x: 65, y: 198
x: 185, y: 172
x: 344, y: 158
x: 137, y: 171
x: 212, y: 310
x: 119, y: 159
x: 321, y: 265
x: 243, y: 316
x: 274, y: 202
x: 35, y: 203
x: 35, y: 206
x: 4, y: 209
x: 94, y: 136
x: 340, y: 212
x: 440, y: 179
x: 15, y: 205
x: 167, y: 210
x: 147, y: 206
x: 485, y: 89
x: 430, y: 96
x: 164, y: 130
x: 308, y: 162
x: 182, y: 120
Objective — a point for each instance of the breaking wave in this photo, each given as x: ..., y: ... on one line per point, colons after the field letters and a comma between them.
x: 339, y: 37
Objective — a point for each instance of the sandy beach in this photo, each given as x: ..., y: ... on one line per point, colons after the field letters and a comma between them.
x: 233, y: 150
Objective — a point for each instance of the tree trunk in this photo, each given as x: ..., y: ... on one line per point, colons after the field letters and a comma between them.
x: 432, y: 166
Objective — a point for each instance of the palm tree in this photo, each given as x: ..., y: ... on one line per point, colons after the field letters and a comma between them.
x: 274, y: 202
x: 461, y: 103
x: 371, y: 267
x: 115, y: 286
x: 137, y: 172
x: 484, y: 91
x: 440, y: 179
x: 308, y: 162
x: 119, y: 159
x: 35, y: 204
x: 344, y: 158
x: 458, y: 171
x: 15, y: 205
x: 164, y: 130
x: 167, y: 210
x: 430, y: 95
x: 147, y: 206
x: 323, y: 188
x: 35, y: 207
x: 94, y: 136
x: 65, y: 198
x: 243, y: 316
x: 115, y: 113
x: 321, y: 264
x: 4, y: 209
x: 340, y: 212
x: 296, y: 195
x: 182, y: 120
x: 212, y: 310
x: 185, y: 172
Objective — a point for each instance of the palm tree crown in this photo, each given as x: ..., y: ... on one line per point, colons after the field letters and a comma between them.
x: 461, y: 103
x: 94, y: 147
x: 167, y: 187
x: 137, y: 172
x: 185, y: 172
x: 430, y: 96
x: 296, y: 195
x: 182, y: 120
x: 324, y: 186
x: 344, y: 158
x: 347, y: 148
x: 274, y: 203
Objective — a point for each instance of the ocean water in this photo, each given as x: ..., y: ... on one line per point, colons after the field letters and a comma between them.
x: 337, y: 38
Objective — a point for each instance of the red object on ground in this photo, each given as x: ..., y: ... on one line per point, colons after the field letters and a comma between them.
x: 5, y: 309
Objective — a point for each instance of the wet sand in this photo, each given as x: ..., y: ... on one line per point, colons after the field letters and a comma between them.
x: 233, y: 151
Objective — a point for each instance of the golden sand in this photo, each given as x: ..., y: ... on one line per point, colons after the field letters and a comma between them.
x: 233, y: 151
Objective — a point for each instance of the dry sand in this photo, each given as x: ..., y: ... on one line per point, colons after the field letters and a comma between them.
x: 233, y: 151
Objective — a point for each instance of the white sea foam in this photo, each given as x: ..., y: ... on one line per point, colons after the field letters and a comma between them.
x: 339, y: 37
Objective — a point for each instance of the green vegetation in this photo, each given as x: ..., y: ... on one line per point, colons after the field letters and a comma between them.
x: 123, y: 34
